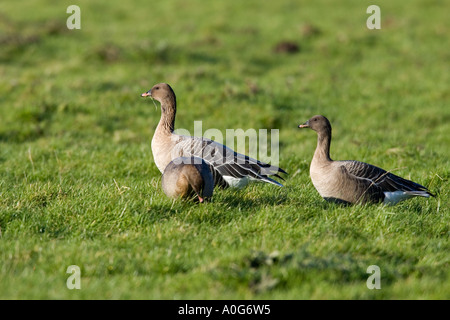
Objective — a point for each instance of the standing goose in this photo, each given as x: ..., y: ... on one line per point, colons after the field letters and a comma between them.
x: 185, y: 176
x: 228, y: 167
x: 352, y: 181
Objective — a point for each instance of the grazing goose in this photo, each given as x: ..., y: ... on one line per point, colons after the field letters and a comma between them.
x: 353, y: 181
x: 228, y: 167
x: 185, y: 176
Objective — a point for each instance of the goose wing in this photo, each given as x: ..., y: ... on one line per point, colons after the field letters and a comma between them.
x: 356, y: 189
x: 225, y: 162
x: 382, y: 178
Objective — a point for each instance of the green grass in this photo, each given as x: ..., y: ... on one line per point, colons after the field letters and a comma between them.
x: 78, y: 185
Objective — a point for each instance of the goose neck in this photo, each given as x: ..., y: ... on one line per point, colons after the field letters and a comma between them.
x: 168, y: 112
x: 322, y: 153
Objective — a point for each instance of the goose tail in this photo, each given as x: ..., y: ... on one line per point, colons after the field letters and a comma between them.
x: 394, y: 197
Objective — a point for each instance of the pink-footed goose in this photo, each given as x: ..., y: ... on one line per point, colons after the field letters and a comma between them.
x: 352, y: 181
x: 228, y: 167
x: 185, y: 176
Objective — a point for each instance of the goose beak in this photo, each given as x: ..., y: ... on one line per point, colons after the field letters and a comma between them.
x: 304, y: 125
x: 200, y: 199
x: 147, y: 94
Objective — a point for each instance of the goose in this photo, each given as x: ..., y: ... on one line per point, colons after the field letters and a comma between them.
x: 185, y: 176
x: 351, y: 181
x: 229, y: 168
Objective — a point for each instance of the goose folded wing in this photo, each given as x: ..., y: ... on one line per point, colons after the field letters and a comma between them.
x: 224, y: 161
x: 359, y: 189
x: 386, y: 180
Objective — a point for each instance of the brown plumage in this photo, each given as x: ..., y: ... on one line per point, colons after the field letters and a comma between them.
x: 353, y: 181
x: 183, y: 177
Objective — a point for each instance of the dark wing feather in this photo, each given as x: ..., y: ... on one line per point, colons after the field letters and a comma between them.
x: 384, y: 179
x: 359, y: 189
x: 224, y: 161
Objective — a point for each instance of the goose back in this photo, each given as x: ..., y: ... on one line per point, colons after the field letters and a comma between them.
x: 185, y: 176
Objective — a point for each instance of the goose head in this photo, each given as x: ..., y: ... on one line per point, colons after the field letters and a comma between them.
x: 161, y: 92
x: 317, y: 123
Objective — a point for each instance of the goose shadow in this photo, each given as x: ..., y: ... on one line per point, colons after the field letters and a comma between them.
x: 243, y: 201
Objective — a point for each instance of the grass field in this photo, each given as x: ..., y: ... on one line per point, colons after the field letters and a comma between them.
x: 78, y: 185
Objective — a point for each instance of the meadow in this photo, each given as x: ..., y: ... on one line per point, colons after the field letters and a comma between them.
x: 78, y: 185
